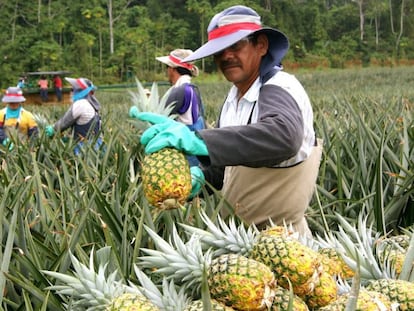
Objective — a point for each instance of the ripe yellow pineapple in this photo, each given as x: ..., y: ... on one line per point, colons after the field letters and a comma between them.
x: 131, y: 302
x: 325, y: 292
x: 288, y: 259
x: 166, y: 177
x: 367, y: 301
x: 279, y: 230
x: 391, y: 251
x: 283, y: 298
x: 240, y: 282
x: 399, y: 291
x: 233, y: 279
x: 197, y: 305
x: 334, y: 264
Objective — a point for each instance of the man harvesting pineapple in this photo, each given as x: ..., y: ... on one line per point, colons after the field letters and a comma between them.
x: 184, y: 96
x: 83, y: 116
x: 263, y: 154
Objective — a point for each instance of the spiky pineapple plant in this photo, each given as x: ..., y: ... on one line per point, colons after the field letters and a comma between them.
x: 232, y: 279
x: 166, y: 178
x: 87, y: 289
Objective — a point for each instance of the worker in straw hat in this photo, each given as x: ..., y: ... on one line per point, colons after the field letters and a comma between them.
x: 263, y: 154
x: 15, y: 121
x: 83, y: 116
x: 183, y: 94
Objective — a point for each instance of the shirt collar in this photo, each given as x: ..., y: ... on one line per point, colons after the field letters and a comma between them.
x: 251, y: 95
x: 182, y: 80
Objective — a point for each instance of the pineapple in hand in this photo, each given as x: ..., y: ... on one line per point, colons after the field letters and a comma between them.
x: 166, y: 177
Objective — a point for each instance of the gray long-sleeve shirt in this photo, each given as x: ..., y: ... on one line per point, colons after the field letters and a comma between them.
x: 271, y: 126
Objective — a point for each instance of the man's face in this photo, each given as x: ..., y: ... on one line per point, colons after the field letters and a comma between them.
x: 170, y: 74
x: 14, y: 106
x: 240, y: 62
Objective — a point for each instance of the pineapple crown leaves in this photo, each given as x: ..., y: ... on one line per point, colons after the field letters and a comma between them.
x: 41, y: 120
x: 169, y: 299
x: 223, y: 238
x: 358, y: 248
x: 407, y: 272
x: 183, y: 262
x: 91, y: 290
x: 151, y: 104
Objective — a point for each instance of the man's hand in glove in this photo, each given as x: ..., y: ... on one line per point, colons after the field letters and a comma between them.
x: 49, y: 130
x: 166, y: 132
x: 133, y: 112
x: 8, y: 143
x: 197, y: 180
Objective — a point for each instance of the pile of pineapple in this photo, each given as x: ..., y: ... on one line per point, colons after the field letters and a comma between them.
x: 225, y: 266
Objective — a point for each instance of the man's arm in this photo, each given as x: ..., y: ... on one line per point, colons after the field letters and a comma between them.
x: 277, y: 135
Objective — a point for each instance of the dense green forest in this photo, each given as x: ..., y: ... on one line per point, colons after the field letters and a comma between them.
x: 112, y: 41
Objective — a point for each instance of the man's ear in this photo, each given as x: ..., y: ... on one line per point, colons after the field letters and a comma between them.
x: 262, y: 44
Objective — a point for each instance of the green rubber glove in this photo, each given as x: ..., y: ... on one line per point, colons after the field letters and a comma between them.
x: 49, y: 130
x: 197, y: 180
x: 8, y: 143
x: 169, y: 133
x: 133, y: 112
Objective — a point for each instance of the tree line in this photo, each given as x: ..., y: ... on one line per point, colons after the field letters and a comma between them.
x: 112, y: 41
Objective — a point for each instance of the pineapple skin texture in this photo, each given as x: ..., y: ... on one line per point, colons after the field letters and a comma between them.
x: 166, y: 178
x: 288, y: 258
x: 282, y: 299
x: 393, y: 249
x: 131, y: 302
x: 399, y: 291
x: 325, y: 292
x: 334, y: 264
x: 240, y: 282
x: 197, y: 305
x: 367, y: 301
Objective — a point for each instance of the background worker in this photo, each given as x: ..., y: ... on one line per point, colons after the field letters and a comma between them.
x: 43, y: 87
x: 184, y: 95
x: 21, y: 83
x: 83, y: 116
x: 58, y: 85
x: 264, y: 154
x: 15, y: 121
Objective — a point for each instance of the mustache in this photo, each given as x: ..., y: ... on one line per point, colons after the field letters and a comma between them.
x: 224, y: 64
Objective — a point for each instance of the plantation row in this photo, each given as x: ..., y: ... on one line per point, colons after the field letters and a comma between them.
x: 54, y: 204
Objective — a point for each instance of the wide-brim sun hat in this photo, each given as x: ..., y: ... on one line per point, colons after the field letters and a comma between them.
x: 175, y: 59
x: 80, y: 84
x: 235, y: 23
x: 13, y: 95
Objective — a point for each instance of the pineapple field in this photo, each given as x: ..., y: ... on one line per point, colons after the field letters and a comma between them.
x: 98, y: 232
